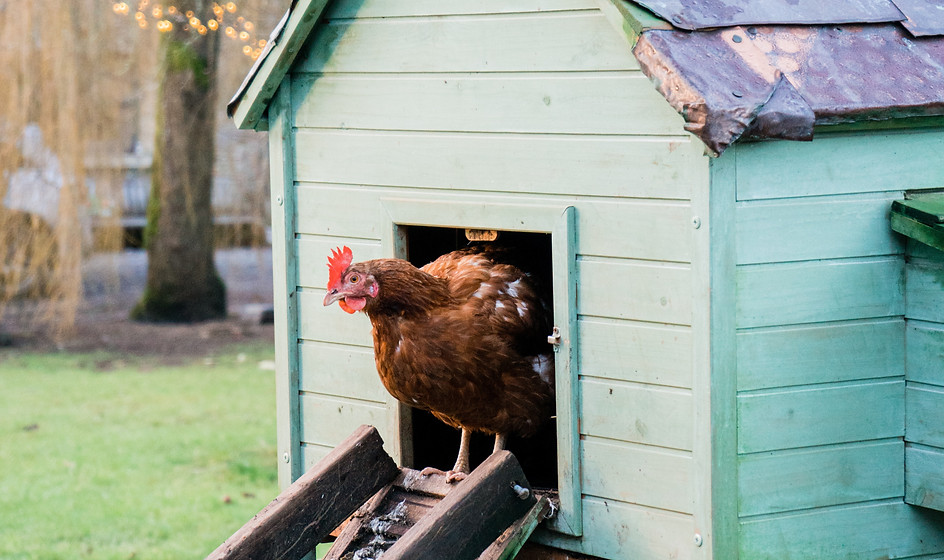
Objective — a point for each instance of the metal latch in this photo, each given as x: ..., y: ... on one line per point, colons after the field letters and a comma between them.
x: 555, y: 338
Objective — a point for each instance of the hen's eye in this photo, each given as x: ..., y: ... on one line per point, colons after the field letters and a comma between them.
x: 355, y: 279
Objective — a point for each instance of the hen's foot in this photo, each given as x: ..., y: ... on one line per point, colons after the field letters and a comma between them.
x: 451, y: 476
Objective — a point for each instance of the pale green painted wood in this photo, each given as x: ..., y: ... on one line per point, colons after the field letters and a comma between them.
x: 913, y: 229
x: 924, y: 353
x: 922, y: 252
x: 870, y: 531
x: 638, y: 474
x: 599, y: 165
x: 640, y: 352
x: 312, y: 453
x: 924, y: 476
x: 655, y: 231
x: 925, y: 289
x: 714, y: 380
x: 618, y: 530
x: 841, y: 163
x: 318, y: 323
x: 398, y: 8
x: 569, y: 41
x: 837, y: 290
x: 313, y: 255
x: 327, y: 421
x: 776, y: 482
x: 622, y: 103
x: 268, y: 76
x: 635, y: 290
x: 284, y: 262
x: 630, y: 412
x: 781, y: 357
x: 925, y: 413
x: 817, y: 415
x: 803, y: 229
x: 339, y: 370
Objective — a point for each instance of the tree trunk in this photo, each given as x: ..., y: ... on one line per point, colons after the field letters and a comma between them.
x: 182, y: 282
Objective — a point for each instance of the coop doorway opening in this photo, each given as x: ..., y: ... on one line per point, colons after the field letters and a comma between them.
x: 434, y: 443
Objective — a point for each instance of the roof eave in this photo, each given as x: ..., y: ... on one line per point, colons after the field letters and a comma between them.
x: 249, y: 104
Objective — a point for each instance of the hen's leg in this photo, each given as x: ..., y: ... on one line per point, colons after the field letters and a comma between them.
x: 461, y: 468
x: 499, y: 443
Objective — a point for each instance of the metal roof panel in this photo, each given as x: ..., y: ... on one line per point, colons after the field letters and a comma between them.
x: 705, y: 14
x: 925, y: 17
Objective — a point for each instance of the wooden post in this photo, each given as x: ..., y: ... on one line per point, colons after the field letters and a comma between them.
x: 471, y: 516
x: 294, y: 522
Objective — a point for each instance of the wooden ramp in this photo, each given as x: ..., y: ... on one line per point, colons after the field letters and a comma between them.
x: 396, y: 512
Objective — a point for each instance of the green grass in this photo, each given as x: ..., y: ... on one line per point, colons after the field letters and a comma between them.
x: 108, y: 457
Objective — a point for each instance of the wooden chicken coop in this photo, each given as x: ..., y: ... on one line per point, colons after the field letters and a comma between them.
x: 752, y: 339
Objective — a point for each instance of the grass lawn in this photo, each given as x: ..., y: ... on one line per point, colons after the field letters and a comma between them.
x: 113, y: 457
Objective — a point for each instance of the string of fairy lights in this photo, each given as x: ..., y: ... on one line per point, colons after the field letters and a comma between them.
x: 225, y: 20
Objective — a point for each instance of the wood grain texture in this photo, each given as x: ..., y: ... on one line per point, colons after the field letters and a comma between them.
x: 640, y: 291
x: 820, y: 415
x: 819, y: 291
x: 630, y: 412
x: 616, y: 529
x: 620, y: 166
x: 640, y: 352
x: 638, y: 474
x: 889, y: 529
x: 820, y: 228
x: 925, y: 413
x: 471, y: 516
x: 853, y: 163
x: 552, y: 103
x: 311, y: 507
x: 924, y: 476
x: 775, y: 482
x: 823, y: 353
x: 568, y: 41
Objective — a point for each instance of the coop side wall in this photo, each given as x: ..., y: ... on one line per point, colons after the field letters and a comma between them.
x: 520, y: 101
x: 820, y: 344
x: 924, y: 375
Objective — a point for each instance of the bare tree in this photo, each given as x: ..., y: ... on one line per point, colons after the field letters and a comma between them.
x: 182, y: 282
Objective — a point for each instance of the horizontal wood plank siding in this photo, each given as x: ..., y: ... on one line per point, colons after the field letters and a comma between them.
x: 499, y: 105
x: 925, y: 476
x: 823, y: 347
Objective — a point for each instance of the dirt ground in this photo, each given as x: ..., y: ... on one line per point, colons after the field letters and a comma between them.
x: 113, y: 283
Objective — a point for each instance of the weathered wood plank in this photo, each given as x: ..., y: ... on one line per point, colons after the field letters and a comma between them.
x: 640, y: 291
x: 330, y: 324
x: 640, y: 352
x: 821, y: 228
x: 818, y: 477
x: 643, y: 414
x: 854, y: 163
x: 398, y: 8
x: 924, y: 476
x: 924, y: 353
x: 780, y: 357
x: 924, y: 284
x: 812, y: 292
x: 614, y: 529
x: 877, y: 530
x: 338, y: 370
x: 311, y: 507
x: 623, y: 103
x: 820, y: 415
x: 471, y: 516
x: 569, y: 41
x: 327, y: 420
x: 925, y: 413
x: 506, y: 546
x: 621, y: 166
x: 638, y: 474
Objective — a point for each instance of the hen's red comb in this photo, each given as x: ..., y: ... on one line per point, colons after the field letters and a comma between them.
x: 338, y: 262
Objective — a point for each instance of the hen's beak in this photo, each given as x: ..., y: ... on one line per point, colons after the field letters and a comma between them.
x: 332, y: 296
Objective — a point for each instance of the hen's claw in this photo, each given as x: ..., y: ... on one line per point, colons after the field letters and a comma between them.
x: 451, y: 476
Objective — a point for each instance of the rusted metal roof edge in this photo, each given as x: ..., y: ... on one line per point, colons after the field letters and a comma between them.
x: 248, y: 106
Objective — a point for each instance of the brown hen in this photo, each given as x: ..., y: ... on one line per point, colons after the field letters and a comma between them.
x: 464, y: 337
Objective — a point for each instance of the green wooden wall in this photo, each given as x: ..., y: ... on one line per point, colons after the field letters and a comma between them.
x: 821, y: 343
x: 503, y: 103
x: 924, y: 374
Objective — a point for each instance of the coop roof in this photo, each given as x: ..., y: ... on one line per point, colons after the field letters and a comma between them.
x: 735, y: 69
